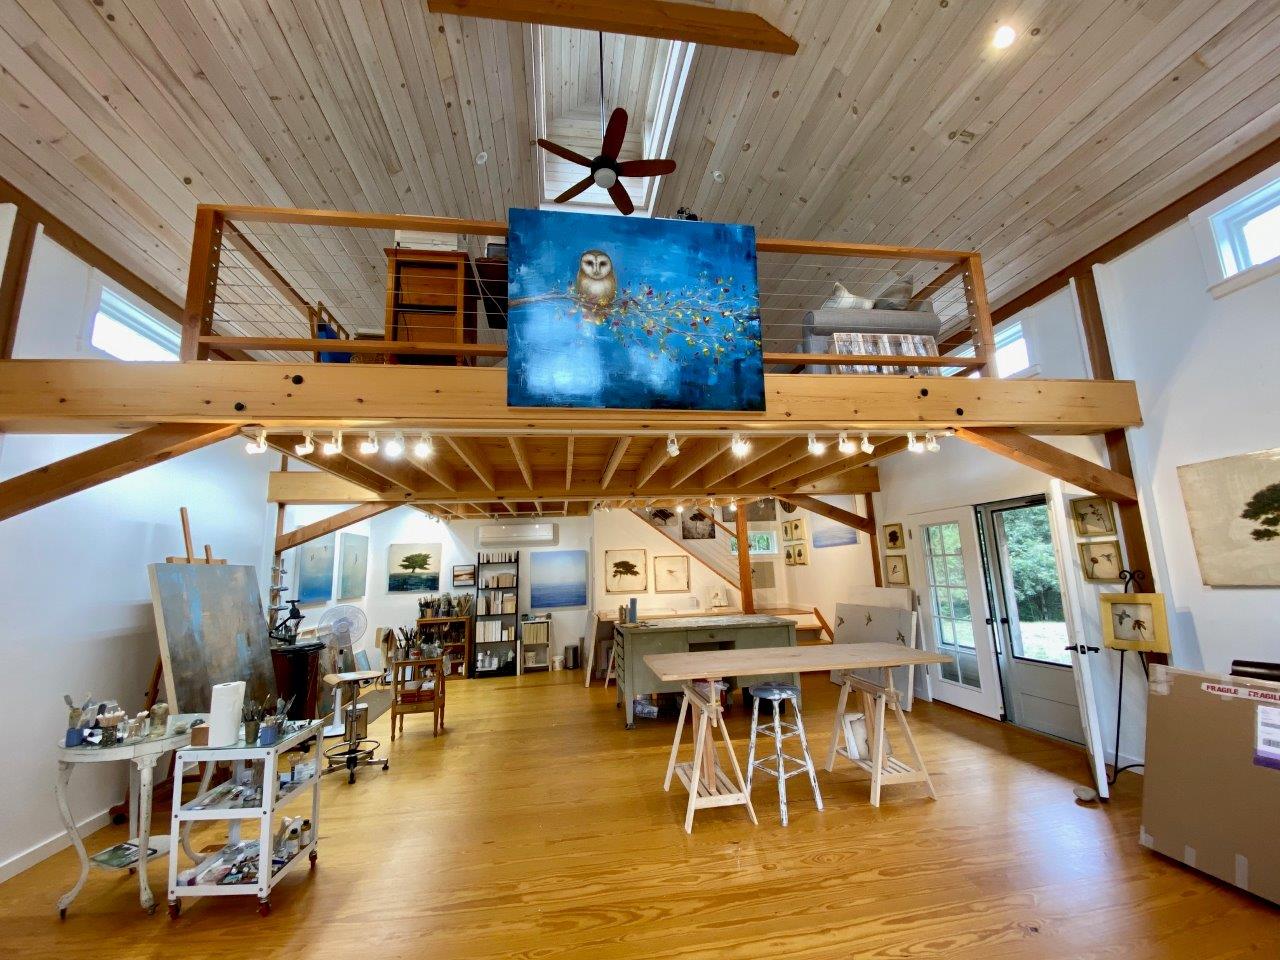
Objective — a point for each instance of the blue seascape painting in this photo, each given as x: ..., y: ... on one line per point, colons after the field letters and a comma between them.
x: 315, y: 570
x: 557, y: 578
x: 632, y: 313
x: 829, y: 533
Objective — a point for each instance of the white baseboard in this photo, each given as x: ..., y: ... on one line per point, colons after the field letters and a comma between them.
x: 42, y: 851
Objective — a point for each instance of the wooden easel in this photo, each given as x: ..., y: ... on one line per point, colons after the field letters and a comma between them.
x: 707, y: 783
x: 883, y: 767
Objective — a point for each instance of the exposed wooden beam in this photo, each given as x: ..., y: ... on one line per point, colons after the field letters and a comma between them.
x: 521, y: 457
x: 1053, y: 461
x: 202, y: 283
x: 822, y: 508
x: 663, y: 19
x: 873, y: 538
x: 13, y: 281
x: 568, y: 462
x: 52, y: 396
x: 615, y: 458
x: 885, y: 447
x: 340, y: 467
x: 321, y: 528
x: 470, y: 454
x: 402, y: 471
x: 694, y: 456
x: 653, y: 460
x: 109, y: 461
x: 744, y: 562
x: 729, y: 464
x: 784, y: 453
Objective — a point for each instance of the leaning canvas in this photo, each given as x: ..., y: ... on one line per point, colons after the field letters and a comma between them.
x: 629, y: 312
x: 1233, y: 506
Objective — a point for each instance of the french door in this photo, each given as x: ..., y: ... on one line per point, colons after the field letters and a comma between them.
x: 949, y: 579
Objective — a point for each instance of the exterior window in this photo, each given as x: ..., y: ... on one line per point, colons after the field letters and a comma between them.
x: 1247, y: 233
x: 1012, y: 356
x: 761, y: 543
x: 127, y: 333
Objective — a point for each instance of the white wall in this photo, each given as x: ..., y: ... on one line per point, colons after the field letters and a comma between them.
x: 1207, y: 388
x: 825, y: 580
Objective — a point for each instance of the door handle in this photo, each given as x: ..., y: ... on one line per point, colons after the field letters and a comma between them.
x: 1081, y: 649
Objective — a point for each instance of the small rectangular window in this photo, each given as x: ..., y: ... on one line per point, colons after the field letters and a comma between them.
x: 1247, y: 232
x: 1012, y: 356
x: 127, y: 333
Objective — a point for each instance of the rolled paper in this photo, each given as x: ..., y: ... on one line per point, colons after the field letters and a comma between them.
x: 225, y: 706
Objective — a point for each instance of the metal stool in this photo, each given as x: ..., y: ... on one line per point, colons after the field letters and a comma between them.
x: 775, y: 693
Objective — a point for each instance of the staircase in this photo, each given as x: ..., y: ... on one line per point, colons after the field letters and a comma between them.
x: 713, y: 554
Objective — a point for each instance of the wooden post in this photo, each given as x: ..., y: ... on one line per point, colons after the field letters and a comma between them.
x: 873, y: 538
x: 744, y: 560
x: 984, y: 338
x: 13, y: 282
x: 202, y: 283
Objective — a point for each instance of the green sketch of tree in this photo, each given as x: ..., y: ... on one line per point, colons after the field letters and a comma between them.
x: 415, y: 562
x: 1264, y: 508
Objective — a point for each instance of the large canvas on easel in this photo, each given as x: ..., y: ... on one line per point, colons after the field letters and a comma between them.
x: 211, y: 629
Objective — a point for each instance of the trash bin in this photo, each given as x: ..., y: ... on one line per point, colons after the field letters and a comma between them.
x: 571, y: 656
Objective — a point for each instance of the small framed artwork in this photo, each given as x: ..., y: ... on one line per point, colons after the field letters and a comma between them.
x: 626, y: 571
x: 800, y: 553
x: 895, y: 571
x: 894, y: 538
x: 789, y: 554
x: 671, y: 574
x: 1135, y: 621
x: 1093, y: 517
x: 464, y: 575
x: 794, y: 529
x: 1101, y: 560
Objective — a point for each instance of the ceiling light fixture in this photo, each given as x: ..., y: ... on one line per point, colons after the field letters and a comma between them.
x: 258, y: 444
x: 816, y: 446
x: 679, y: 508
x: 914, y: 445
x: 370, y: 446
x: 717, y: 176
x: 332, y: 445
x: 740, y: 446
x: 1004, y: 37
x: 395, y: 446
x: 844, y: 444
x: 422, y: 448
x: 733, y: 506
x: 867, y: 446
x: 482, y: 158
x: 308, y: 444
x: 931, y: 442
x: 673, y: 445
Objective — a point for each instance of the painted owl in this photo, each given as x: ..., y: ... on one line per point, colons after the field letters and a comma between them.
x: 596, y: 281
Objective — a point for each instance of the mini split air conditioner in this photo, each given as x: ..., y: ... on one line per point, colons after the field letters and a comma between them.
x: 516, y: 535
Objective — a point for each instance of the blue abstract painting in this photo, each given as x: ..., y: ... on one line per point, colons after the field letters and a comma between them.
x: 635, y: 313
x: 829, y: 533
x: 315, y: 570
x: 557, y: 578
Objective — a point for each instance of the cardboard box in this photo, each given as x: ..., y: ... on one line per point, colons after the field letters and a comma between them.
x: 1212, y: 780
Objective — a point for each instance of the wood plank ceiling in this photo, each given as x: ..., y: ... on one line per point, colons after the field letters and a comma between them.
x: 897, y: 122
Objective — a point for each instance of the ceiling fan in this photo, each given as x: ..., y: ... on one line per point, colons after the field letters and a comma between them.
x: 605, y: 168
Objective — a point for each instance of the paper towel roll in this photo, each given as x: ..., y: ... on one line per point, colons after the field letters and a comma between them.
x: 224, y: 713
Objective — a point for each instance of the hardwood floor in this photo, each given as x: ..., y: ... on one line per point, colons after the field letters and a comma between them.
x: 536, y: 827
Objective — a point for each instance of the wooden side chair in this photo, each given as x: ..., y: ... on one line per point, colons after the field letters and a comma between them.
x: 418, y: 686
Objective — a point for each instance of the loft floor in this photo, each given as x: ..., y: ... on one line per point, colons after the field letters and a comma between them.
x: 536, y: 827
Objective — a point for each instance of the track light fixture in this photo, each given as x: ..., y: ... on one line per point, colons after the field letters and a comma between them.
x: 733, y: 506
x: 332, y: 445
x: 258, y: 444
x: 679, y: 508
x: 931, y: 442
x: 913, y: 444
x: 844, y: 444
x: 394, y: 447
x: 740, y: 445
x: 369, y: 446
x: 867, y: 446
x: 422, y: 447
x: 307, y: 446
x: 673, y: 445
x: 816, y: 446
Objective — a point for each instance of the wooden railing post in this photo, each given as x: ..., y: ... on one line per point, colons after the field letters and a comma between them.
x: 984, y: 338
x: 202, y: 283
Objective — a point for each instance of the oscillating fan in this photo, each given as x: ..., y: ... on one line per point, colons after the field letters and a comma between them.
x: 338, y: 629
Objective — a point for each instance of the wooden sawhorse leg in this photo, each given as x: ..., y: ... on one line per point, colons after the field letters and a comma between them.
x: 707, y: 783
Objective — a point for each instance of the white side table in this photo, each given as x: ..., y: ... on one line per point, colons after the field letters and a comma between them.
x: 143, y: 754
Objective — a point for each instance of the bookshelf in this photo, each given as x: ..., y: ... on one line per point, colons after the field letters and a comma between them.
x: 535, y: 644
x: 496, y: 642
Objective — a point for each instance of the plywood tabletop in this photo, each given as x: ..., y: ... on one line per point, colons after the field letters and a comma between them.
x: 709, y: 623
x: 699, y: 665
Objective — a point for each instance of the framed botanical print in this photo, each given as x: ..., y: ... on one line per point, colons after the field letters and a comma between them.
x: 1092, y: 516
x: 1135, y: 621
x: 894, y: 538
x: 626, y: 571
x: 895, y: 571
x: 1101, y: 560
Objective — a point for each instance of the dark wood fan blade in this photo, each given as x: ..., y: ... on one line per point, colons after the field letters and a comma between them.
x: 622, y: 199
x: 614, y: 133
x: 564, y: 153
x: 576, y: 189
x: 646, y: 168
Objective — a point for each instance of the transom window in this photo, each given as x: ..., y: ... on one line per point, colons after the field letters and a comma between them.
x: 1012, y: 356
x: 1247, y: 232
x: 128, y: 333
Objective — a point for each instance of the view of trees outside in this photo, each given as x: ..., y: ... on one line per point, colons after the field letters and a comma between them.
x: 1037, y: 591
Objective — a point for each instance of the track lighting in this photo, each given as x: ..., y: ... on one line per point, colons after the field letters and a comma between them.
x: 679, y: 508
x: 395, y: 446
x: 867, y: 446
x: 931, y: 443
x: 844, y: 444
x: 370, y: 446
x: 740, y: 446
x: 422, y: 448
x: 914, y: 445
x: 307, y: 446
x: 332, y: 445
x: 673, y: 446
x: 258, y: 444
x: 816, y: 446
x: 733, y: 506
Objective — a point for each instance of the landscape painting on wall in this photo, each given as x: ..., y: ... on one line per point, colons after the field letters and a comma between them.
x: 413, y: 567
x: 1233, y: 505
x: 626, y: 571
x: 557, y: 578
x: 633, y: 313
x: 353, y: 566
x: 830, y: 533
x: 697, y: 525
x: 315, y: 570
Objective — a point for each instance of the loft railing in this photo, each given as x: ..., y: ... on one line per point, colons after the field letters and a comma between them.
x: 261, y: 278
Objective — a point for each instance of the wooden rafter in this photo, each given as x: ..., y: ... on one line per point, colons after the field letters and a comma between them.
x: 824, y: 509
x: 615, y: 458
x: 471, y: 455
x: 694, y: 457
x: 653, y: 460
x: 781, y: 454
x: 1054, y: 461
x: 521, y: 457
x: 109, y: 461
x: 728, y: 463
x: 568, y: 463
x: 321, y: 528
x: 340, y: 466
x: 884, y: 448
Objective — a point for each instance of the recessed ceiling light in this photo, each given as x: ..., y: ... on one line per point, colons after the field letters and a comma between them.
x: 1004, y: 37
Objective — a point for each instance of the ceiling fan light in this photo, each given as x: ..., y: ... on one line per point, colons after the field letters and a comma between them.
x: 605, y: 177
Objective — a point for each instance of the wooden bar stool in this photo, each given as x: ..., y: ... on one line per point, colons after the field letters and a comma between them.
x: 707, y: 783
x: 875, y: 755
x: 776, y: 765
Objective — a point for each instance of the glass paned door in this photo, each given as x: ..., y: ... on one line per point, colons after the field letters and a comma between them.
x: 953, y: 605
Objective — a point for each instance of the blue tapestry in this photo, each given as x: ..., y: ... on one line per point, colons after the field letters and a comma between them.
x: 635, y: 313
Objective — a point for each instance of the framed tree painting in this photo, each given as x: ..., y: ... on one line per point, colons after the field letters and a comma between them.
x: 1233, y: 507
x: 626, y: 571
x: 413, y: 567
x: 1100, y: 560
x: 894, y: 538
x: 1092, y: 516
x: 1135, y: 621
x: 697, y: 525
x: 671, y: 574
x: 632, y: 312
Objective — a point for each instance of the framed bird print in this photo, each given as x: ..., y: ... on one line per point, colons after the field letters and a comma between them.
x: 1100, y: 560
x: 632, y: 313
x: 895, y: 571
x: 1135, y: 621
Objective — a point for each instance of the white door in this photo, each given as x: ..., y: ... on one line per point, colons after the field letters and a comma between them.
x: 948, y: 578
